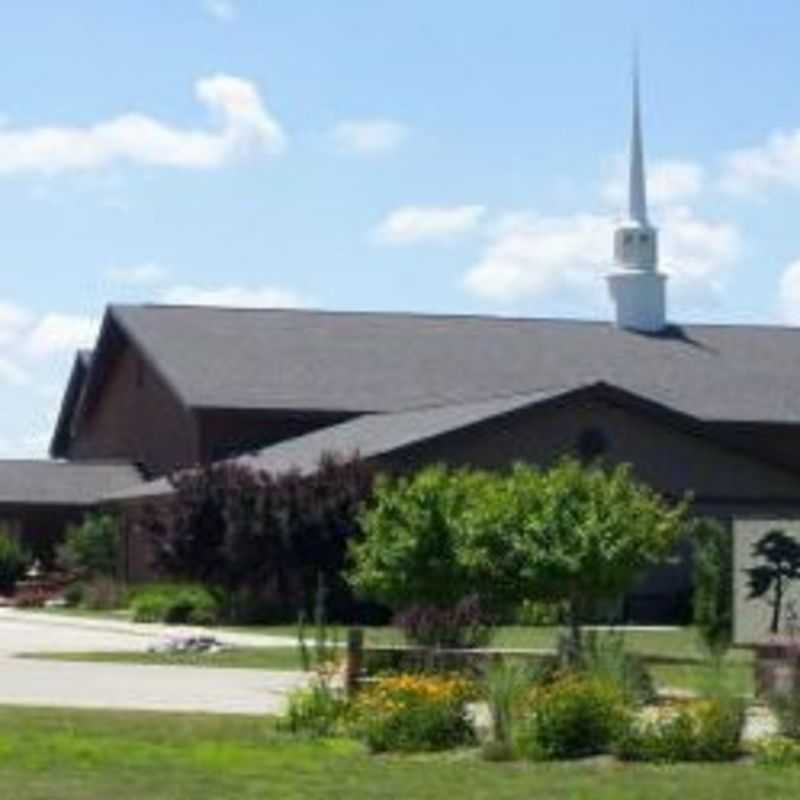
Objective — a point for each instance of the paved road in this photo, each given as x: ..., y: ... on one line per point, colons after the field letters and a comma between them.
x: 125, y: 686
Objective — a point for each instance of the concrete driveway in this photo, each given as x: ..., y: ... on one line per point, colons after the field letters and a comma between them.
x: 127, y: 686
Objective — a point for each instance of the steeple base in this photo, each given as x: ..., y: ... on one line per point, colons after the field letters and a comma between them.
x: 640, y: 299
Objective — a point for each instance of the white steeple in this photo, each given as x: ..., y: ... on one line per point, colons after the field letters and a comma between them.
x: 637, y: 191
x: 637, y: 288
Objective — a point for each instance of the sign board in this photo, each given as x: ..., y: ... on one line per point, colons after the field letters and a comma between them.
x: 766, y: 580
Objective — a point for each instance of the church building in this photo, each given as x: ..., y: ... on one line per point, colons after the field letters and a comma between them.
x: 707, y: 410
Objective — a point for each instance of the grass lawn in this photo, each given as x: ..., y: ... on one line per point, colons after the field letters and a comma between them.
x: 673, y: 645
x: 274, y: 658
x: 85, y: 755
x: 672, y: 656
x: 669, y: 642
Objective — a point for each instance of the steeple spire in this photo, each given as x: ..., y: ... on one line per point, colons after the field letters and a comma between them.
x: 637, y: 193
x: 637, y: 287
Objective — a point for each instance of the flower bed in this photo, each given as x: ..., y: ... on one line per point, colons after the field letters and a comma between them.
x: 572, y: 717
x: 696, y: 730
x: 413, y: 713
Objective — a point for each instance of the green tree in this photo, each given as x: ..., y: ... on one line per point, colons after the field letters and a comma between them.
x: 14, y: 561
x: 412, y: 551
x: 92, y: 548
x: 570, y: 534
x: 575, y: 534
x: 713, y: 585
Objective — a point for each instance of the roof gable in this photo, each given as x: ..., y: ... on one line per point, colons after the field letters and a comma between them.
x: 75, y: 385
x: 111, y: 342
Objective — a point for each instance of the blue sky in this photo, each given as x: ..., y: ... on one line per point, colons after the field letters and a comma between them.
x: 433, y: 156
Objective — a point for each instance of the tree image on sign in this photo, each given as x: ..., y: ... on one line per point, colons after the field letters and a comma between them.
x: 781, y: 553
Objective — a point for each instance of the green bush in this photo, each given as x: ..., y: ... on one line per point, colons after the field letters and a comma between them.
x: 506, y: 684
x: 413, y: 713
x: 786, y: 708
x: 254, y: 606
x: 418, y: 727
x: 535, y: 613
x: 606, y: 659
x: 573, y: 717
x: 101, y: 593
x: 73, y: 594
x: 175, y: 604
x: 148, y: 607
x: 701, y: 730
x: 13, y: 561
x: 777, y: 751
x: 91, y: 548
x: 713, y: 581
x: 315, y: 711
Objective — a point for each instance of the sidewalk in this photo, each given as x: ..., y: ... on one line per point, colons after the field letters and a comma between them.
x: 129, y: 686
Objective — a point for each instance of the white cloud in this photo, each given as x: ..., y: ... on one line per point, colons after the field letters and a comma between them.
x: 234, y: 296
x: 695, y: 251
x: 775, y: 162
x: 12, y: 374
x: 532, y: 256
x: 138, y: 275
x: 245, y: 127
x: 668, y: 182
x: 57, y: 333
x: 790, y: 294
x: 223, y: 10
x: 13, y: 320
x: 414, y: 224
x: 368, y: 136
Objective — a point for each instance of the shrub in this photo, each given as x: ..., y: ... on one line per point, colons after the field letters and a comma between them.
x: 464, y: 626
x: 253, y: 606
x: 777, y: 751
x: 538, y: 614
x: 575, y: 716
x: 505, y: 686
x: 74, y: 594
x: 606, y: 658
x: 412, y: 713
x: 176, y: 604
x: 786, y: 708
x: 713, y: 581
x: 91, y: 548
x: 315, y: 711
x: 325, y: 650
x: 699, y: 730
x: 253, y: 533
x: 102, y: 593
x: 32, y: 597
x: 13, y: 561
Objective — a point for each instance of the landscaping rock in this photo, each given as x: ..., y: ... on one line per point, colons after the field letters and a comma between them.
x: 188, y: 644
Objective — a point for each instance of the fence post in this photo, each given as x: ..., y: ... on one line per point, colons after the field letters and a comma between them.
x: 355, y: 660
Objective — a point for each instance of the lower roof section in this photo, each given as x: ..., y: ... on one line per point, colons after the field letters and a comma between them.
x: 62, y: 483
x: 369, y: 435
